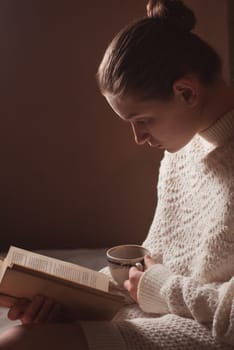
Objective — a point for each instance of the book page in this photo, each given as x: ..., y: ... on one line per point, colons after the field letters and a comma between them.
x: 3, y: 267
x: 58, y: 268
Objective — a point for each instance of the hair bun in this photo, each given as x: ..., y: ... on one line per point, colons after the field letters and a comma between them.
x: 172, y: 12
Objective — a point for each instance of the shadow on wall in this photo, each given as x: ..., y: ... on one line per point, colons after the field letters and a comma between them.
x: 71, y: 175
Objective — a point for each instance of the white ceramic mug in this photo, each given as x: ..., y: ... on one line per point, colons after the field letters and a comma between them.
x: 122, y: 257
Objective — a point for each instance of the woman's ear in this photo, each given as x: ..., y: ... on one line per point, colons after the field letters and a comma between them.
x: 187, y: 89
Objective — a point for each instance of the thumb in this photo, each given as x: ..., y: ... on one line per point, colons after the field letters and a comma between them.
x: 148, y: 261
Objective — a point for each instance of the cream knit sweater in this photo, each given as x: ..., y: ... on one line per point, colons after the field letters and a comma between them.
x: 186, y: 300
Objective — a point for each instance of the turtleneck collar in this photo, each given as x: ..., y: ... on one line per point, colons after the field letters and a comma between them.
x: 222, y: 130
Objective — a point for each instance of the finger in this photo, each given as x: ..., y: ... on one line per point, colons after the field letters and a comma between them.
x: 148, y: 261
x: 32, y: 309
x: 55, y: 313
x: 45, y: 310
x: 134, y: 274
x: 131, y: 288
x: 17, y: 310
x: 126, y: 284
x: 133, y: 270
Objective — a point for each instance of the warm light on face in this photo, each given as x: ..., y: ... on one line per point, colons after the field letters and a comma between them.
x: 168, y: 125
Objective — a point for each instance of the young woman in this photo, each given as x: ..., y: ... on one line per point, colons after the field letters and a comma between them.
x: 166, y: 82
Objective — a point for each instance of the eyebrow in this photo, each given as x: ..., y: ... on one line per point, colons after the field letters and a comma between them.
x: 131, y: 115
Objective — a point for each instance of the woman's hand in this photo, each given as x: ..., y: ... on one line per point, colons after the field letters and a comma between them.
x: 134, y: 277
x: 39, y: 310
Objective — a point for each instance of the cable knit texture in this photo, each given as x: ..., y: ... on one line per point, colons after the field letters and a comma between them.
x: 186, y: 300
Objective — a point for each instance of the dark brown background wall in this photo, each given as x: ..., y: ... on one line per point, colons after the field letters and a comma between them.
x: 213, y: 26
x: 71, y: 175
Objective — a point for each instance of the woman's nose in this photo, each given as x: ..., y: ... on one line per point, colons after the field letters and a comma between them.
x: 140, y: 135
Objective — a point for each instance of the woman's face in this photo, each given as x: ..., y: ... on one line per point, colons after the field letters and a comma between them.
x: 168, y: 125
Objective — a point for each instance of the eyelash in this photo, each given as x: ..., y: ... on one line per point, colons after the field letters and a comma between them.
x: 143, y: 121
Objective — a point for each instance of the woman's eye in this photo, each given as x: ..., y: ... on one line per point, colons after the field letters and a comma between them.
x: 141, y: 121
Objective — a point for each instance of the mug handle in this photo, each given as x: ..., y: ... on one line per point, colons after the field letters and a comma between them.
x: 139, y: 266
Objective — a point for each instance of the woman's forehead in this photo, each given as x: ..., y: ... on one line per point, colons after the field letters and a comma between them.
x: 130, y: 107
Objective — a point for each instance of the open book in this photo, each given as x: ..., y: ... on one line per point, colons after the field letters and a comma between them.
x: 79, y: 290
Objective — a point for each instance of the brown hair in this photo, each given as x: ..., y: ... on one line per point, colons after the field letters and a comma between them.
x: 147, y: 56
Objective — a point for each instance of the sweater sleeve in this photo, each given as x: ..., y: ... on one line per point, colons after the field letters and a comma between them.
x: 162, y: 291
